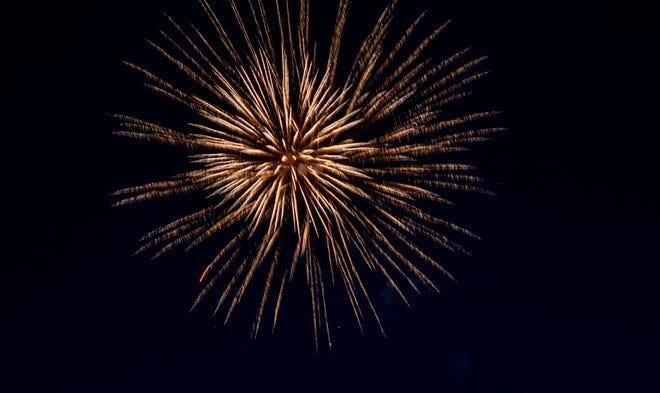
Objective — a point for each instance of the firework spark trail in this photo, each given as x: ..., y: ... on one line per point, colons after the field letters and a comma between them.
x: 311, y: 169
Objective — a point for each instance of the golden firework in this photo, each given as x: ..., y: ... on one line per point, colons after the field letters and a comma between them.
x: 332, y: 176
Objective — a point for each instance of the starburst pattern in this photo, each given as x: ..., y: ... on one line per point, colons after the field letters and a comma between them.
x: 334, y: 177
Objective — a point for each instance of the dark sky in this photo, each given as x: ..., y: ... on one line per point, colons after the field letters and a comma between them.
x: 560, y: 295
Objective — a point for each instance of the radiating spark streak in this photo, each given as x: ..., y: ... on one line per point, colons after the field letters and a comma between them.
x: 301, y: 165
x: 266, y: 291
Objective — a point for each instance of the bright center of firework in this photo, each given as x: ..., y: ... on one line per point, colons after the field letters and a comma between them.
x: 295, y: 162
x: 289, y: 158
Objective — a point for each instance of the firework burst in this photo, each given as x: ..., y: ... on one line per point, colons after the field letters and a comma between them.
x: 304, y: 171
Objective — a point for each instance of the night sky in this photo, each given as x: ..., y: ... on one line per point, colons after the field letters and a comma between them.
x: 560, y: 295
